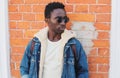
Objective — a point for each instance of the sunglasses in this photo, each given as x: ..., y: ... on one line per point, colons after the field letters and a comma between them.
x: 60, y: 19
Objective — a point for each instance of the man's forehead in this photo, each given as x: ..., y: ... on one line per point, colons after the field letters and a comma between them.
x: 57, y: 12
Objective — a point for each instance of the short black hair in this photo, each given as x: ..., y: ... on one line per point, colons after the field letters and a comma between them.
x: 51, y: 6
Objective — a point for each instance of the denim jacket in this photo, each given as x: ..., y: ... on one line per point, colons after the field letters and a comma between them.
x: 29, y: 67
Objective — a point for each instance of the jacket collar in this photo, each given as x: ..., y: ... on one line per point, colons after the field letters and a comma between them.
x: 66, y: 35
x: 42, y: 36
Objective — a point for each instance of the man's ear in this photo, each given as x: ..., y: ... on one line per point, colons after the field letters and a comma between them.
x: 46, y: 20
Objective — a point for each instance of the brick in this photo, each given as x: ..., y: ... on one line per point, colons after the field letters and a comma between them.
x: 104, y: 52
x: 100, y: 9
x: 103, y: 68
x: 38, y: 8
x: 82, y: 1
x: 102, y: 26
x: 13, y: 8
x: 68, y: 25
x: 23, y: 25
x: 32, y: 1
x: 30, y: 33
x: 81, y: 8
x: 12, y: 66
x: 25, y: 8
x: 16, y: 2
x: 46, y: 1
x: 15, y: 73
x: 103, y: 18
x: 103, y: 35
x: 98, y: 75
x: 82, y: 17
x: 37, y: 25
x: 19, y: 42
x: 69, y: 8
x: 92, y: 67
x: 16, y: 34
x: 93, y: 52
x: 101, y: 43
x: 15, y: 16
x: 98, y: 60
x: 38, y: 1
x: 63, y: 1
x: 17, y: 66
x: 29, y: 17
x: 104, y: 1
x: 12, y: 25
x: 16, y: 58
x: 39, y: 17
x: 17, y: 50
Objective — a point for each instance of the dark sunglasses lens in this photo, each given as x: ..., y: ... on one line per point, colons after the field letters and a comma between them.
x: 66, y: 19
x: 59, y: 19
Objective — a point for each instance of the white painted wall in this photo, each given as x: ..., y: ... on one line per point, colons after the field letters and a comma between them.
x: 85, y: 32
x: 4, y: 40
x: 115, y: 41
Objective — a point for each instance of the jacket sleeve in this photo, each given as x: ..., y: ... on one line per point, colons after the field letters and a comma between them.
x: 82, y: 64
x: 25, y: 62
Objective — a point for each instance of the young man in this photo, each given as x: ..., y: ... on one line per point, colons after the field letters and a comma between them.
x: 54, y: 52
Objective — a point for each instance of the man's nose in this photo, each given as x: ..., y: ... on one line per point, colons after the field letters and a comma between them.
x: 63, y: 22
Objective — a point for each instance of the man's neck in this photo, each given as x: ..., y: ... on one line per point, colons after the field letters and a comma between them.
x: 53, y: 36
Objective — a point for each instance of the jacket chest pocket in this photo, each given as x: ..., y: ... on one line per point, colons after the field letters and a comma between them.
x: 70, y: 61
x: 69, y: 58
x: 69, y: 67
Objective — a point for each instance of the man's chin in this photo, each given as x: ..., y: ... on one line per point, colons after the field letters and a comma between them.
x: 60, y: 31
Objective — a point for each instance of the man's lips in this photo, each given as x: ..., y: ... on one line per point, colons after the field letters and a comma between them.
x: 62, y: 28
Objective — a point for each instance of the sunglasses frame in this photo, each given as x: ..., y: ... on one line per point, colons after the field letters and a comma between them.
x: 60, y: 19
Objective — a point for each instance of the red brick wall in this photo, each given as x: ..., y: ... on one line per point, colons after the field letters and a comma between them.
x: 26, y: 18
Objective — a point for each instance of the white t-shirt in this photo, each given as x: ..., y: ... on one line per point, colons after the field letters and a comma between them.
x: 53, y: 60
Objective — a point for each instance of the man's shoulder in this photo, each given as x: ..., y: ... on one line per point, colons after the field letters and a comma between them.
x: 74, y: 40
x: 35, y: 39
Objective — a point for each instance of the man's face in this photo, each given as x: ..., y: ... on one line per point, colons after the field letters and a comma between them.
x: 57, y: 21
